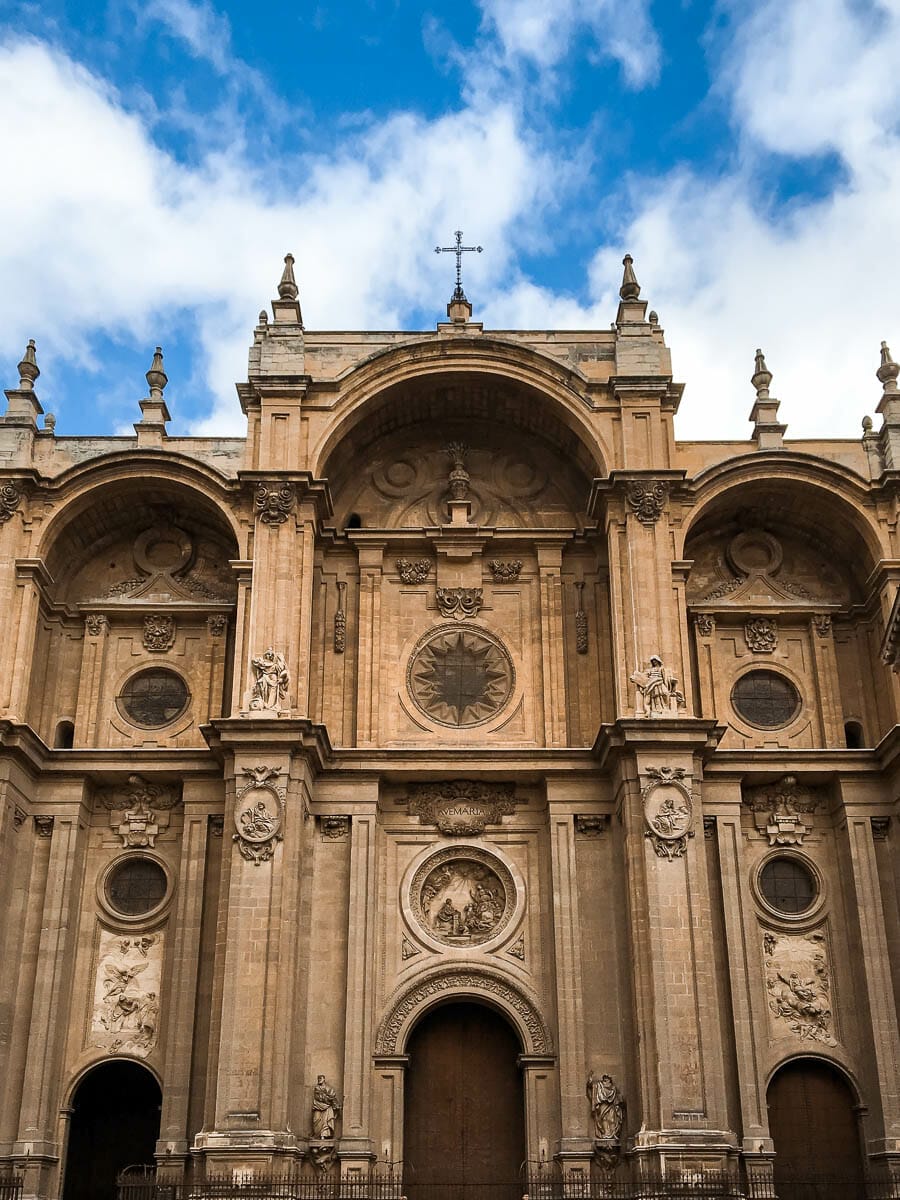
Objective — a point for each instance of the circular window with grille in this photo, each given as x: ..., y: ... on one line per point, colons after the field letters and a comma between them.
x: 788, y: 886
x: 135, y: 886
x: 460, y: 676
x: 765, y: 699
x: 153, y: 698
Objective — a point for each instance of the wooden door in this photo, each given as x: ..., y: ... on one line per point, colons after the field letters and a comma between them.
x: 464, y: 1107
x: 815, y: 1131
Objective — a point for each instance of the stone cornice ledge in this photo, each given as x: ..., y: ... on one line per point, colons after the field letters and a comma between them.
x: 677, y: 733
x: 299, y: 736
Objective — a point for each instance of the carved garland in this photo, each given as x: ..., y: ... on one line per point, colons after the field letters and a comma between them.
x: 9, y: 501
x: 453, y: 980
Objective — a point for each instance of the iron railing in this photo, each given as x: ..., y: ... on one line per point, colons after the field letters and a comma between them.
x: 11, y: 1184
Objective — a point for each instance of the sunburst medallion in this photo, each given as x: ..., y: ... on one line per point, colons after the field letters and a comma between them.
x: 460, y: 677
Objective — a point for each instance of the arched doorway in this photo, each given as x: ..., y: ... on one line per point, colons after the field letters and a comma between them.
x: 464, y: 1124
x: 814, y: 1128
x: 115, y: 1122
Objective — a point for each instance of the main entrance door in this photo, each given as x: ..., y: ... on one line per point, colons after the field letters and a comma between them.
x: 465, y: 1110
x: 115, y: 1124
x: 814, y: 1129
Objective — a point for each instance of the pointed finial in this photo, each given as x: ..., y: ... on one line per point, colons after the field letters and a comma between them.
x: 50, y: 422
x: 630, y: 289
x: 867, y: 424
x: 156, y: 376
x: 653, y: 316
x: 287, y: 288
x: 28, y: 368
x: 888, y: 371
x: 263, y: 317
x: 761, y: 377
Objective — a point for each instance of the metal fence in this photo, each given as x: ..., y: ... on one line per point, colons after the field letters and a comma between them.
x: 10, y: 1186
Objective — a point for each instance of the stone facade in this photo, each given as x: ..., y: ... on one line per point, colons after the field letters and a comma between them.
x: 458, y: 617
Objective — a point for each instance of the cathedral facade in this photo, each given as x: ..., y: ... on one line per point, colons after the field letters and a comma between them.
x: 457, y: 776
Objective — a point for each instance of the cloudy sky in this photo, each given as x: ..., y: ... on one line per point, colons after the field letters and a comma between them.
x: 159, y: 157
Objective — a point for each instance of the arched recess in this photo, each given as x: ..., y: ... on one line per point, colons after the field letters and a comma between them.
x: 783, y: 588
x: 814, y: 1125
x: 114, y: 1124
x: 462, y: 984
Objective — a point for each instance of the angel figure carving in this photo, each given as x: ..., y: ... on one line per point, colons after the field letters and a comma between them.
x: 658, y: 694
x: 272, y: 680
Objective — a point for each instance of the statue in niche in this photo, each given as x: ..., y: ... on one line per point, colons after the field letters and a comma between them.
x: 607, y: 1107
x: 272, y: 680
x: 325, y: 1110
x: 658, y: 694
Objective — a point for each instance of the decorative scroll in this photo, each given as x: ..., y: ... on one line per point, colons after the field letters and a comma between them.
x: 505, y: 572
x: 646, y: 499
x: 274, y: 502
x: 10, y: 496
x: 460, y: 602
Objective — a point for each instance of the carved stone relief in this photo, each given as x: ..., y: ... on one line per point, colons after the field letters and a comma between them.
x: 461, y: 807
x: 646, y: 499
x: 799, y: 986
x: 460, y: 602
x: 340, y: 620
x: 704, y: 623
x: 159, y: 631
x: 463, y: 896
x: 259, y: 814
x: 415, y: 570
x: 408, y: 950
x: 668, y: 811
x: 657, y: 691
x: 335, y: 828
x: 761, y: 635
x: 782, y: 811
x: 271, y: 681
x: 608, y: 1113
x: 517, y: 949
x: 216, y: 624
x: 125, y: 1017
x: 274, y: 502
x: 880, y: 827
x: 10, y: 496
x: 139, y: 810
x: 822, y: 624
x: 591, y: 825
x: 96, y: 624
x: 43, y: 825
x: 581, y: 623
x: 505, y: 572
x: 460, y: 676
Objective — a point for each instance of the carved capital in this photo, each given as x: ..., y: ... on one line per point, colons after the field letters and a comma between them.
x: 705, y: 624
x: 822, y: 624
x: 10, y: 497
x: 335, y: 828
x: 274, y: 502
x: 96, y: 624
x: 880, y: 827
x: 217, y: 623
x: 761, y: 634
x: 43, y: 825
x: 646, y: 498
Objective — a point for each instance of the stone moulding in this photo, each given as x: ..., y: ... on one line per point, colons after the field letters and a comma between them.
x: 453, y: 981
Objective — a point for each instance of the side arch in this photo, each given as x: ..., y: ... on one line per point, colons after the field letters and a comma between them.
x: 459, y: 983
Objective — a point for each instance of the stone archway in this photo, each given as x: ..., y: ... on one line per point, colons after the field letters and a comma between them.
x: 115, y: 1124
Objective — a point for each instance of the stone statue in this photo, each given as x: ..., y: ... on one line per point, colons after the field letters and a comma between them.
x: 607, y: 1107
x: 658, y: 694
x: 325, y: 1110
x: 272, y: 680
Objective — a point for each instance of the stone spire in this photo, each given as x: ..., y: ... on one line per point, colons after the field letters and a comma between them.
x: 767, y: 430
x: 151, y: 429
x: 630, y: 289
x: 24, y: 408
x: 889, y: 408
x: 632, y: 308
x: 286, y: 309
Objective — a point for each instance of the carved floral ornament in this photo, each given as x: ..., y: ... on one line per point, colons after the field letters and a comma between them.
x: 505, y: 572
x: 459, y: 602
x: 139, y: 810
x: 461, y: 807
x: 274, y: 502
x: 782, y: 811
x: 413, y: 570
x: 761, y: 634
x: 259, y: 814
x: 10, y: 496
x: 646, y: 499
x: 159, y: 631
x: 668, y: 811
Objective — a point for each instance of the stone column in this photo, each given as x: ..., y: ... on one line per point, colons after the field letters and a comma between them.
x: 549, y: 557
x: 32, y: 578
x: 371, y: 559
x: 825, y: 671
x: 387, y: 1127
x: 90, y: 679
x: 356, y: 1149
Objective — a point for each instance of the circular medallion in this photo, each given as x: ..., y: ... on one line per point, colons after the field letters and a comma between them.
x: 463, y: 896
x: 460, y: 676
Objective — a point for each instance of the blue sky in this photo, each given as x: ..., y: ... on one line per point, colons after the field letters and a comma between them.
x: 159, y: 157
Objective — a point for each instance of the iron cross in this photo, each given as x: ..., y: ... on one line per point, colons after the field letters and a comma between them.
x: 459, y: 250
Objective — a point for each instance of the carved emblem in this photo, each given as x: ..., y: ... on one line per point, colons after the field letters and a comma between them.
x: 96, y: 624
x: 408, y: 950
x: 782, y: 811
x: 517, y: 949
x: 658, y: 695
x: 258, y: 814
x: 581, y: 625
x: 799, y: 987
x: 43, y: 825
x: 822, y: 624
x: 460, y: 602
x: 274, y: 502
x: 139, y: 810
x: 9, y: 501
x: 460, y: 676
x: 340, y: 620
x: 463, y: 896
x: 761, y: 635
x: 335, y: 828
x: 608, y: 1112
x: 462, y: 807
x: 272, y: 681
x: 505, y: 572
x: 125, y: 1016
x: 415, y: 570
x: 591, y: 825
x: 326, y: 1108
x: 880, y: 828
x: 646, y: 499
x: 668, y: 811
x: 159, y: 631
x: 216, y: 624
x: 704, y: 623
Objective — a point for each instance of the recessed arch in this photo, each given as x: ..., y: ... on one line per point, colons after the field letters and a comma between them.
x: 462, y: 983
x: 814, y: 1123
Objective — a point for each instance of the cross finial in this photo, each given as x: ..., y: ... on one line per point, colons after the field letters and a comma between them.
x: 459, y: 250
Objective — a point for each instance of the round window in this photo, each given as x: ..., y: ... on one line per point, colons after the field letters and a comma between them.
x: 787, y: 885
x: 460, y: 677
x: 136, y: 886
x: 153, y: 698
x: 765, y: 699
